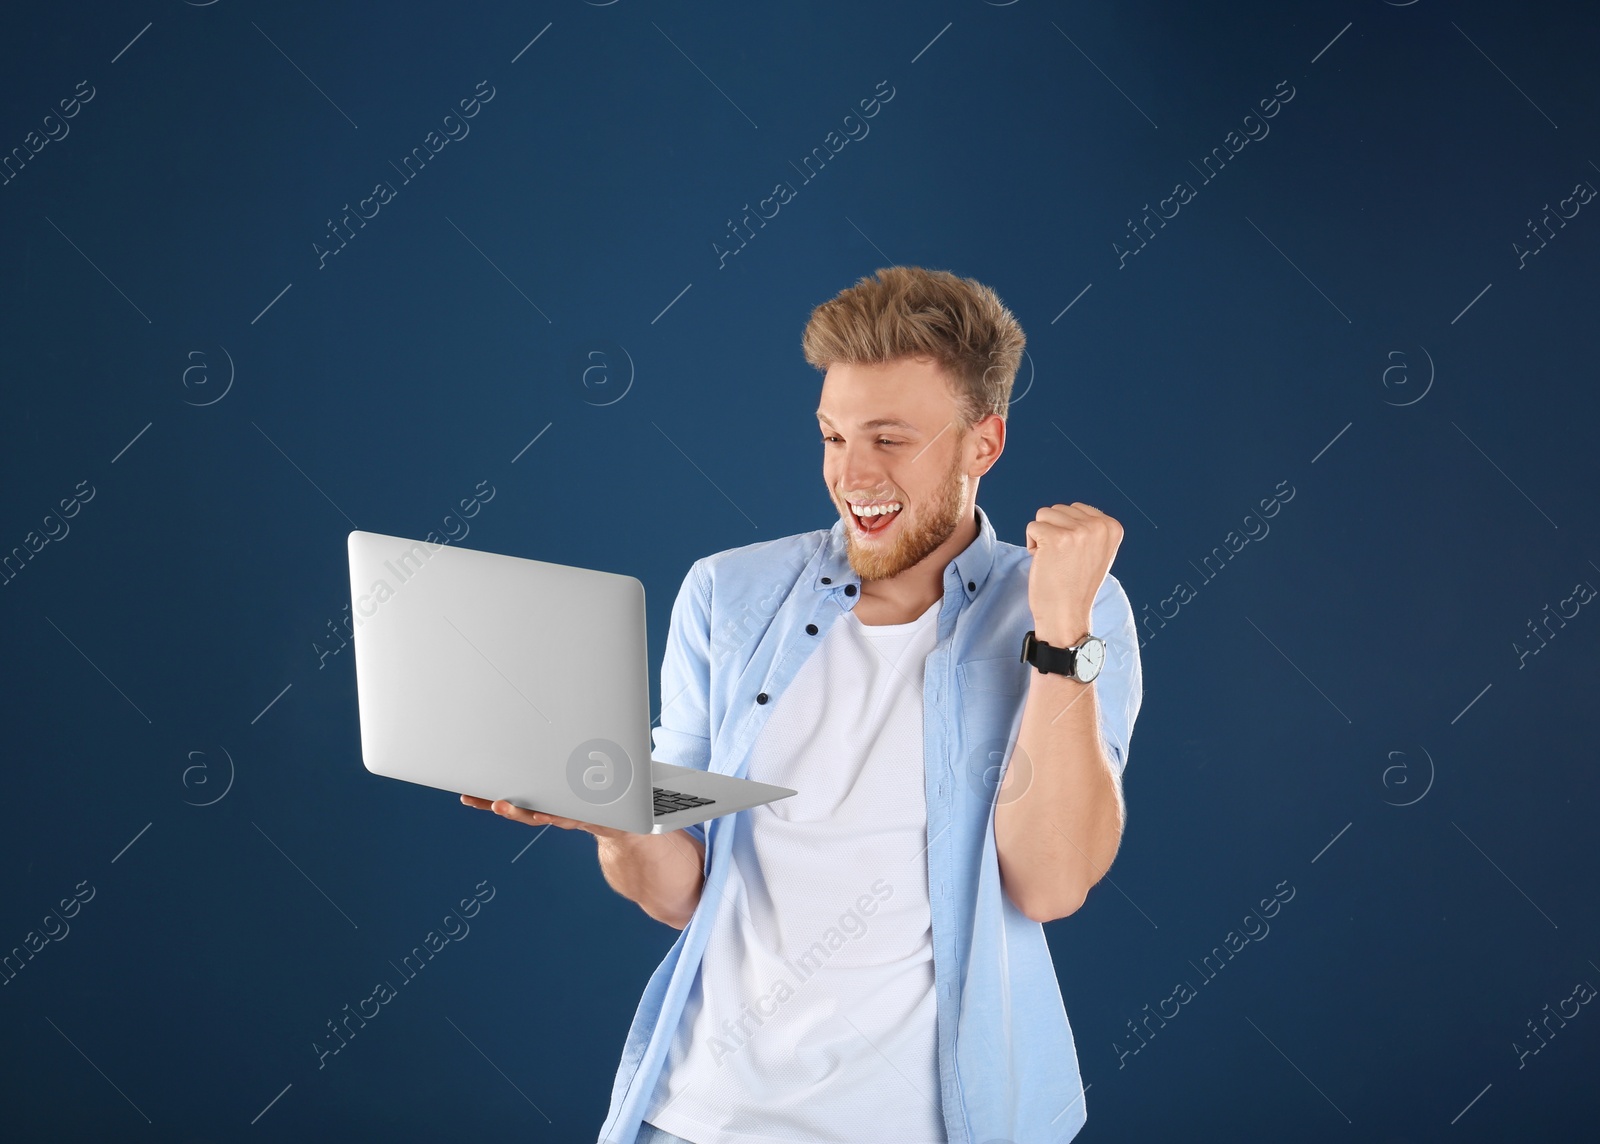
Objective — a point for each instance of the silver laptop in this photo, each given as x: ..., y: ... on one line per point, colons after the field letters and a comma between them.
x: 506, y: 678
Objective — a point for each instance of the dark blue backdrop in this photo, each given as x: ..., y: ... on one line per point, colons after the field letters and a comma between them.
x: 223, y: 350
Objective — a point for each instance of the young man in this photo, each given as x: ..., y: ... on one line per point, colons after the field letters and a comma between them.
x: 864, y: 960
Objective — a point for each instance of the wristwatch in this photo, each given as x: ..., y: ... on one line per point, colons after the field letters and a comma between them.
x: 1082, y: 662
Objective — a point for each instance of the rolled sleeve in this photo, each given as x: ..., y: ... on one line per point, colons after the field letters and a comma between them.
x: 683, y: 737
x: 1120, y: 685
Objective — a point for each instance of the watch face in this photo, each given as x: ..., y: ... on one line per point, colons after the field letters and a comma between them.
x: 1091, y: 658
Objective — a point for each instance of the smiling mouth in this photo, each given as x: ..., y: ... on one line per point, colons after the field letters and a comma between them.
x: 876, y: 523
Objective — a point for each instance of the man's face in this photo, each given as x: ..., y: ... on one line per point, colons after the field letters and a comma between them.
x: 890, y: 436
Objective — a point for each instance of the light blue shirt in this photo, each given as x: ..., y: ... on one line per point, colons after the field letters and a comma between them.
x: 743, y: 623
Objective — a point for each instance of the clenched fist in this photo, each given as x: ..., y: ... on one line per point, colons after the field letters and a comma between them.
x: 1072, y: 546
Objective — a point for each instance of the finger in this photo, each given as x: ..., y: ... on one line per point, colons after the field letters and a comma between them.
x: 542, y: 818
x: 509, y: 810
x: 534, y: 817
x: 1079, y: 519
x: 1040, y: 531
x: 1067, y: 515
x: 480, y: 803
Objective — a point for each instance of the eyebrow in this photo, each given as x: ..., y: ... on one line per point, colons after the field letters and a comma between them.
x: 878, y: 423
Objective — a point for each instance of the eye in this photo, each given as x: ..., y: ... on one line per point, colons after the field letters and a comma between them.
x: 830, y: 440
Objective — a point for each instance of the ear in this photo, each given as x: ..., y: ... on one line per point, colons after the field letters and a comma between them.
x: 988, y: 440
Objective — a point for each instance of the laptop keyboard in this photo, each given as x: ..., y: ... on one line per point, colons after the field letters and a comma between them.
x: 668, y: 801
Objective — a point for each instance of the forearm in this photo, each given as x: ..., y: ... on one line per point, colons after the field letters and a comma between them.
x: 1059, y: 817
x: 662, y: 873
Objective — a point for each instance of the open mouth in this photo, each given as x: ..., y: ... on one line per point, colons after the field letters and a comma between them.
x: 875, y: 522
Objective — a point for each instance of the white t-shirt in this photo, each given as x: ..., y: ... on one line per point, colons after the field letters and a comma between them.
x: 812, y: 1016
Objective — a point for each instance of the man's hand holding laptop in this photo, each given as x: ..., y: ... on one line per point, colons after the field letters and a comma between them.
x: 662, y: 873
x: 537, y: 818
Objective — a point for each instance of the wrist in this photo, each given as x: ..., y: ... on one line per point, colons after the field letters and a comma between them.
x: 615, y: 843
x: 1061, y: 634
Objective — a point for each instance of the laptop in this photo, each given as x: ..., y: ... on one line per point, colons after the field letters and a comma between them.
x: 507, y: 678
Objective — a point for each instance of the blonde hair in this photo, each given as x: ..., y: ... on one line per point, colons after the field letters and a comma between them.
x: 910, y: 312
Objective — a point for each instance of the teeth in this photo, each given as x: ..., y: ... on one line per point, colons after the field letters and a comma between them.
x: 875, y: 510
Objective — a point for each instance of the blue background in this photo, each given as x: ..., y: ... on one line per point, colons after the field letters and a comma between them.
x: 1363, y: 655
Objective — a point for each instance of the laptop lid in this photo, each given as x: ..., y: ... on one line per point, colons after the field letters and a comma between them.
x: 503, y: 678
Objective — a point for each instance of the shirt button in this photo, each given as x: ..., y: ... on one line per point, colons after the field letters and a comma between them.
x: 827, y: 579
x: 849, y: 589
x: 762, y: 698
x: 972, y: 586
x: 811, y: 629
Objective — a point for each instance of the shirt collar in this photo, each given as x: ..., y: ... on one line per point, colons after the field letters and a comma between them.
x: 969, y: 569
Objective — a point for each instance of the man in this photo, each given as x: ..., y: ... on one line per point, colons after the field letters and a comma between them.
x: 864, y: 960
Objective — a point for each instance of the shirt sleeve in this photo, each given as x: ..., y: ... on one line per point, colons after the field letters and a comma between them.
x: 683, y: 737
x: 1120, y: 684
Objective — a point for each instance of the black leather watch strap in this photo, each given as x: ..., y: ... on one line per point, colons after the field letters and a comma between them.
x: 1048, y: 658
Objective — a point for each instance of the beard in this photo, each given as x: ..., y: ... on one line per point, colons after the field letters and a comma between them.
x: 917, y: 533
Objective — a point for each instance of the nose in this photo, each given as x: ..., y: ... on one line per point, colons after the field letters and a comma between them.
x: 862, y: 474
